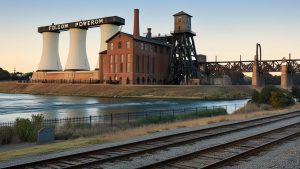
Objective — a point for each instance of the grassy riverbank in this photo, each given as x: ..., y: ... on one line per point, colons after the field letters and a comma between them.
x: 130, y: 133
x: 146, y: 91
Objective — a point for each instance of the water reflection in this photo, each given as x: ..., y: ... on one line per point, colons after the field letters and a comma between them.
x: 24, y: 105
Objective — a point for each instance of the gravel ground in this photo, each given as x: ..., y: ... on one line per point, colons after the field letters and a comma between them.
x: 282, y: 156
x: 149, y: 158
x: 135, y: 162
x: 31, y: 158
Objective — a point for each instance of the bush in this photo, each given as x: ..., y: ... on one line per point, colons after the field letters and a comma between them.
x: 273, y: 96
x: 265, y: 94
x: 255, y: 96
x: 6, y: 134
x: 275, y: 101
x: 27, y: 130
x: 23, y: 128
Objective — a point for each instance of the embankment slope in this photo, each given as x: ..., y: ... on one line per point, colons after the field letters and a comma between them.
x: 148, y: 91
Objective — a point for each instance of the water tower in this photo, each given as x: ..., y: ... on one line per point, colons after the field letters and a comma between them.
x: 183, y: 54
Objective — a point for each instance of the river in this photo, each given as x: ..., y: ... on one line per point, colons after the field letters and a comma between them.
x: 24, y: 105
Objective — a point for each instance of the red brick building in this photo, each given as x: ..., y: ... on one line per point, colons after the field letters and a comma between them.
x: 133, y: 59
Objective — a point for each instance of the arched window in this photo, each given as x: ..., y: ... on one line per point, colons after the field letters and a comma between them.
x: 143, y: 64
x: 116, y: 64
x: 127, y: 44
x: 119, y: 45
x: 111, y: 46
x: 128, y: 60
x: 111, y: 64
x: 137, y: 64
x: 179, y: 19
x: 122, y: 62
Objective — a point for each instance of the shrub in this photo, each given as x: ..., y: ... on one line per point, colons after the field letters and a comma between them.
x: 255, y: 96
x: 273, y: 96
x: 265, y: 94
x: 6, y: 134
x: 281, y: 98
x: 23, y: 128
x: 27, y: 130
x: 275, y: 101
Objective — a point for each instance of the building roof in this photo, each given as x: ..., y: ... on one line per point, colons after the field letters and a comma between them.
x: 182, y: 13
x: 140, y: 38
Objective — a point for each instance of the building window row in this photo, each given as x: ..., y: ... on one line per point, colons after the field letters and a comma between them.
x: 120, y: 45
x: 141, y: 67
x: 113, y: 63
x: 149, y: 47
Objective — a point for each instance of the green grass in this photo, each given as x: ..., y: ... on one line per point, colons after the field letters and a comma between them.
x: 157, y: 119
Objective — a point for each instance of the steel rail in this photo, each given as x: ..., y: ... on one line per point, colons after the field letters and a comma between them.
x: 171, y: 162
x: 252, y: 123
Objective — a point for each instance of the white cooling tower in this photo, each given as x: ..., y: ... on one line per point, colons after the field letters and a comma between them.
x: 77, y: 59
x: 50, y: 60
x: 106, y: 31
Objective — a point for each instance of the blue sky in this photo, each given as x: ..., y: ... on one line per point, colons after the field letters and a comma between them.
x: 225, y: 28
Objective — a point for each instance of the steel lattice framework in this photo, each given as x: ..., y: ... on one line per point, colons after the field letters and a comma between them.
x: 182, y: 66
x: 247, y: 66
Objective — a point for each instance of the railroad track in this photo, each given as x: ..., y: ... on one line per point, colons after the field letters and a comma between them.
x: 224, y: 154
x: 142, y: 147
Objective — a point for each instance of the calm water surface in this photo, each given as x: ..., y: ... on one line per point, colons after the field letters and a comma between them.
x: 24, y: 105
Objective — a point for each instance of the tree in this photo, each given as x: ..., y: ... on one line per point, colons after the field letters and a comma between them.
x: 272, y: 80
x: 4, y: 75
x: 237, y: 78
x: 255, y: 96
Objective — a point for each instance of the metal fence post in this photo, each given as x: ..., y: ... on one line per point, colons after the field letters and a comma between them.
x: 226, y: 108
x: 128, y: 117
x: 173, y: 113
x: 111, y: 119
x: 90, y: 120
x: 160, y: 115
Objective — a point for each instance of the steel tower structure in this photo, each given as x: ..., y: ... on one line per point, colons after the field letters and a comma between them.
x: 183, y: 53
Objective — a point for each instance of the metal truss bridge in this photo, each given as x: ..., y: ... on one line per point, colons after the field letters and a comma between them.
x: 293, y: 65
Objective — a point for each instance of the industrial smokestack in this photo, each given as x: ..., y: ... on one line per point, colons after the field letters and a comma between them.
x: 149, y: 34
x: 136, y: 26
